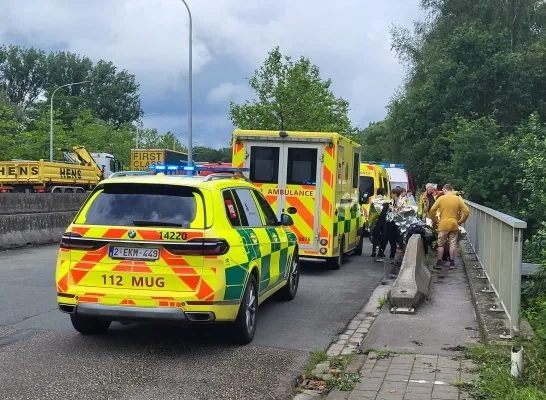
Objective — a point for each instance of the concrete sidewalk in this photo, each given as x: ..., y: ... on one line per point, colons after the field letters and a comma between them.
x: 433, y: 335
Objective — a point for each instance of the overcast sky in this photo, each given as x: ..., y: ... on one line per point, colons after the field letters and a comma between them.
x: 350, y: 43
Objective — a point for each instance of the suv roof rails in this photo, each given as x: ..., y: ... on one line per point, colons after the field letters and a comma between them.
x: 224, y: 175
x: 129, y: 173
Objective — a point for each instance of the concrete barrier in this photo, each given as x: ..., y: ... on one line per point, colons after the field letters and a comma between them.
x: 36, y: 218
x: 29, y: 203
x: 413, y: 283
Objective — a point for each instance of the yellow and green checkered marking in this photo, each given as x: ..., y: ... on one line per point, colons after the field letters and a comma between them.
x: 349, y: 218
x: 265, y: 248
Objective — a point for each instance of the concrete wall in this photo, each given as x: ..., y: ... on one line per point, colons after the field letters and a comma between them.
x: 36, y: 218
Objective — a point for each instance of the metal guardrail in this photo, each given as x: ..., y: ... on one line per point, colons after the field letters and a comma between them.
x: 497, y: 240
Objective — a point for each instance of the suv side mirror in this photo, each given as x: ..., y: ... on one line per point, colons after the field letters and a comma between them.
x: 286, y: 220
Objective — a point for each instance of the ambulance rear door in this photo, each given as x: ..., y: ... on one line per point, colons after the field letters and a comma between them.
x: 289, y: 174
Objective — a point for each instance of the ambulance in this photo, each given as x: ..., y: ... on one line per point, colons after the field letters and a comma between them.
x: 372, y: 177
x: 316, y: 176
x: 399, y: 176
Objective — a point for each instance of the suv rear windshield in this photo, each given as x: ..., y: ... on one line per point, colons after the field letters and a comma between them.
x: 145, y: 205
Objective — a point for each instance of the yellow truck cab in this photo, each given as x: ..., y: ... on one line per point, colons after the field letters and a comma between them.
x: 80, y: 170
x: 372, y: 177
x: 315, y: 173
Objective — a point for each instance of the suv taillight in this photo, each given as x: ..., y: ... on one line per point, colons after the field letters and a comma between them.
x: 75, y: 241
x: 197, y: 246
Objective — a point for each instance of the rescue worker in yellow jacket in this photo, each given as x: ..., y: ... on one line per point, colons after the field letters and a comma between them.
x: 426, y: 201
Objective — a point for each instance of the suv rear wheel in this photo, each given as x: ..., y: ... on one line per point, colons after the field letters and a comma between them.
x: 288, y: 292
x: 89, y: 325
x: 244, y: 327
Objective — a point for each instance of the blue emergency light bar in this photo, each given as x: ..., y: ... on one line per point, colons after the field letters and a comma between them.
x: 164, y: 167
x: 159, y: 168
x: 384, y: 165
x: 388, y: 165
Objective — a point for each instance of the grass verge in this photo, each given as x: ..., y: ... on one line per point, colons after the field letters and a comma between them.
x: 495, y: 382
x: 317, y: 357
x: 382, y: 301
x: 379, y: 354
x: 337, y: 376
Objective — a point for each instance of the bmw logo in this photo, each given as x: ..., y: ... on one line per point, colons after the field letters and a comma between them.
x: 132, y: 234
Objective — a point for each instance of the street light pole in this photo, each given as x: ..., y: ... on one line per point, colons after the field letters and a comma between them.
x: 51, y: 116
x: 190, y: 88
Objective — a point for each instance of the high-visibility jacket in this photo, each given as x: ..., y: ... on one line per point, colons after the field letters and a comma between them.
x: 423, y: 206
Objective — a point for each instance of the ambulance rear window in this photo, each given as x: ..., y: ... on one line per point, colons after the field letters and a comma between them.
x: 264, y: 164
x: 367, y: 186
x: 150, y: 205
x: 302, y: 166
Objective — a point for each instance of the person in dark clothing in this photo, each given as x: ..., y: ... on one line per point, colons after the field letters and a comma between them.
x: 381, y: 235
x: 391, y: 232
x: 377, y: 229
x: 391, y: 236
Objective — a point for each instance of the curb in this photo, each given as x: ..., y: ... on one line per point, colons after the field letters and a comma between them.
x: 350, y: 340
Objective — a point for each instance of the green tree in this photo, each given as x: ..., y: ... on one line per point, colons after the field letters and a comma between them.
x: 148, y: 138
x: 468, y: 60
x: 482, y: 163
x: 27, y: 73
x: 291, y: 96
x: 112, y: 94
x: 9, y: 129
x: 225, y: 154
x: 23, y: 74
x: 101, y: 136
x: 378, y: 144
x: 211, y: 155
x: 33, y: 142
x: 171, y: 142
x: 529, y: 154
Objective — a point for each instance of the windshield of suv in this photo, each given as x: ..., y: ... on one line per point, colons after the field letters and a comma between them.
x: 145, y: 205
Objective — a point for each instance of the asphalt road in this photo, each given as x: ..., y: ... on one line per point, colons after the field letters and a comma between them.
x: 42, y: 357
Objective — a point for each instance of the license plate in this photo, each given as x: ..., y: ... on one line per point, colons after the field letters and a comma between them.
x: 134, y: 253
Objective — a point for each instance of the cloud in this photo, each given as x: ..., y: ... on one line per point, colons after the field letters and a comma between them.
x: 226, y: 92
x: 213, y: 130
x: 349, y: 41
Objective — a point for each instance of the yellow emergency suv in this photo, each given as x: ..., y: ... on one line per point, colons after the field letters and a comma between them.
x: 316, y: 173
x: 372, y: 177
x: 178, y: 249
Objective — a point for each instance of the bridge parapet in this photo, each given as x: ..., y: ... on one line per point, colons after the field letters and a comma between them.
x: 496, y: 240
